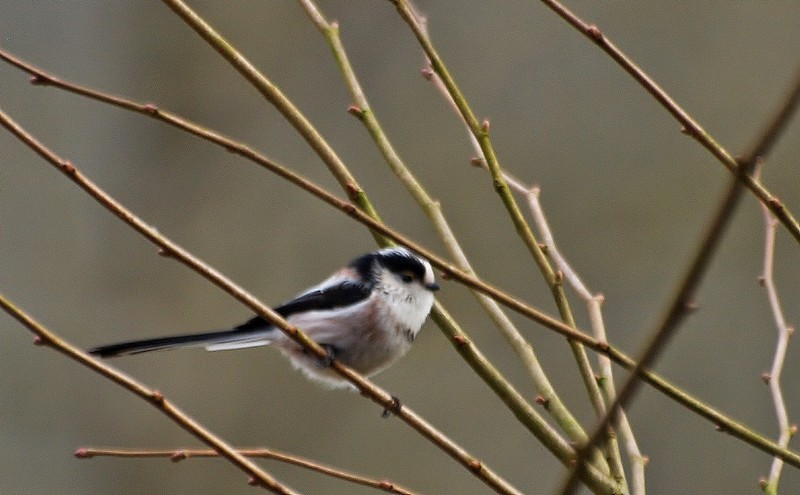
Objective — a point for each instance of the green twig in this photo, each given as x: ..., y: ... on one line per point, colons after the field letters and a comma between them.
x: 275, y: 96
x: 173, y: 250
x: 480, y: 132
x: 682, y: 300
x: 724, y: 422
x: 363, y: 111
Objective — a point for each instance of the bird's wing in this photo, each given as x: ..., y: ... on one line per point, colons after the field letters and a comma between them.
x: 320, y: 299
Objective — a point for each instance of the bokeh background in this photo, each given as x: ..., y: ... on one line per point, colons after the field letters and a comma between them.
x: 626, y: 193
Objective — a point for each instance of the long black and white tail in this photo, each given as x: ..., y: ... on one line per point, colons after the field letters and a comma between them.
x: 253, y: 333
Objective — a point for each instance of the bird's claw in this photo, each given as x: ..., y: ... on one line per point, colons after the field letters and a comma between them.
x: 393, y: 408
x: 330, y: 356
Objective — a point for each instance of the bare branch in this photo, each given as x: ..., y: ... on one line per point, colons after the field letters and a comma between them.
x: 593, y: 303
x: 363, y: 111
x: 153, y: 397
x: 682, y: 301
x: 465, y: 345
x: 437, y: 73
x: 785, y: 331
x: 690, y: 126
x: 178, y: 455
x: 170, y: 248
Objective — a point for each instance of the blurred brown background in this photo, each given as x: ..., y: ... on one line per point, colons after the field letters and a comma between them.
x: 626, y: 193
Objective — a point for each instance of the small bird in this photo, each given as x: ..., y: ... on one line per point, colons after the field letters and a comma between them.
x: 365, y: 315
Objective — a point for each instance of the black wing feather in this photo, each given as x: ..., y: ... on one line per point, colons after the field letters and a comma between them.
x: 320, y: 299
x: 336, y: 296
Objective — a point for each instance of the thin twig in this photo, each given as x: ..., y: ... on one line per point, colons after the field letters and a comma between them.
x: 438, y: 74
x: 363, y: 111
x: 183, y: 454
x: 593, y: 303
x: 726, y: 423
x: 153, y: 397
x: 275, y: 96
x: 785, y: 331
x: 690, y: 126
x: 173, y: 250
x: 682, y: 301
x: 481, y: 134
x: 241, y: 149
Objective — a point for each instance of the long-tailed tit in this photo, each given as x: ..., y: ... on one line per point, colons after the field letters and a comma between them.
x: 365, y: 315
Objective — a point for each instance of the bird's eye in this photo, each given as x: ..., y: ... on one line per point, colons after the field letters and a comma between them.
x: 407, y: 277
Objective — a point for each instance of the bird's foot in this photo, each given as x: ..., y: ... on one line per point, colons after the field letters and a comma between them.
x: 393, y: 408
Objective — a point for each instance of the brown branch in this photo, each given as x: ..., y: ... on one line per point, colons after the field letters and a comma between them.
x: 766, y: 139
x: 690, y: 126
x: 682, y: 301
x: 183, y: 454
x: 450, y: 271
x: 362, y: 110
x: 516, y: 401
x: 725, y: 422
x: 170, y: 248
x: 153, y: 397
x: 773, y: 378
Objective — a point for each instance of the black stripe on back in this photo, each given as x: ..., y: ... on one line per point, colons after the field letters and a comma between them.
x: 336, y: 296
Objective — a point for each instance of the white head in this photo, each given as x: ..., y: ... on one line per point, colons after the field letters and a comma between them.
x: 405, y: 280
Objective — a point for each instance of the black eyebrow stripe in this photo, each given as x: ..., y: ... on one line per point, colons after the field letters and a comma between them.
x: 398, y: 262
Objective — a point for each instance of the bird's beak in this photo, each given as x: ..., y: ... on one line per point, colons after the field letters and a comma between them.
x: 433, y: 287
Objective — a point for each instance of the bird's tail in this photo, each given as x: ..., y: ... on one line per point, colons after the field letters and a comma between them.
x: 255, y: 332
